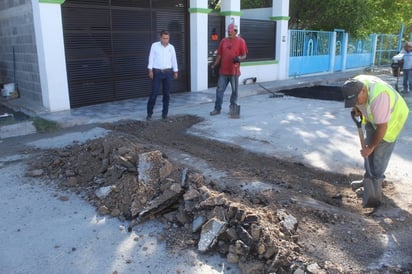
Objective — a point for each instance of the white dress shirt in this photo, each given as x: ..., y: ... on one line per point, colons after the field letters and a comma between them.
x: 162, y: 57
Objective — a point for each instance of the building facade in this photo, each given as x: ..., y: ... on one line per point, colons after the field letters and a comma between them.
x: 64, y: 54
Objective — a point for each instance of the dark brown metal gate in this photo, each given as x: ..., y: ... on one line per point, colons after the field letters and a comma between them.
x: 107, y: 44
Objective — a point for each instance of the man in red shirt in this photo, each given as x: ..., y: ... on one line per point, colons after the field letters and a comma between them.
x: 231, y: 51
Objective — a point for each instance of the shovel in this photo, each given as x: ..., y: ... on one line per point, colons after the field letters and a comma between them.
x: 273, y: 94
x: 235, y: 109
x: 372, y: 192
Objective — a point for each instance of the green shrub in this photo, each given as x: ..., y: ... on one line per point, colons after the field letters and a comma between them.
x: 43, y: 125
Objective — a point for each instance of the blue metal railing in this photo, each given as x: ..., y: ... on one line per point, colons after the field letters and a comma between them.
x: 320, y: 51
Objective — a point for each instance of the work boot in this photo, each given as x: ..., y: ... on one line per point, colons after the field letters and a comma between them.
x: 215, y: 112
x: 356, y: 184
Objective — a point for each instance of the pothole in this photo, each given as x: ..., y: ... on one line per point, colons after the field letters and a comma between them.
x: 330, y: 93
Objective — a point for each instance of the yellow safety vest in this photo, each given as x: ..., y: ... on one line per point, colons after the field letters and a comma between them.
x: 399, y: 108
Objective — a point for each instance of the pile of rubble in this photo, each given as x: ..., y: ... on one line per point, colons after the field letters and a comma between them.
x: 135, y: 182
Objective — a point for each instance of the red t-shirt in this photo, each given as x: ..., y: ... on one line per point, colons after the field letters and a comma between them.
x: 229, y: 49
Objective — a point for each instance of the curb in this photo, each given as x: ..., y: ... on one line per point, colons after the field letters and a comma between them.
x: 18, y: 129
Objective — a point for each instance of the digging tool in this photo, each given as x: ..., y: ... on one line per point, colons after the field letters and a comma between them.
x: 273, y: 94
x: 235, y: 109
x: 372, y: 192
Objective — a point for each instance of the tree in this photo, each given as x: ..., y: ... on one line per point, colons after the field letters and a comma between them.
x: 358, y: 17
x: 253, y: 4
x: 214, y: 4
x: 244, y: 4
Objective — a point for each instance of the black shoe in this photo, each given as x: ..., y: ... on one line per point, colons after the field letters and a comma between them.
x: 149, y: 117
x: 215, y: 112
x: 164, y: 117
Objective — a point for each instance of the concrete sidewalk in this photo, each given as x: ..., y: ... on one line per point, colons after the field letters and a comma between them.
x: 136, y: 108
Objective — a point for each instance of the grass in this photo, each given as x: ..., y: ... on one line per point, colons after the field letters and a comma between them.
x: 43, y: 125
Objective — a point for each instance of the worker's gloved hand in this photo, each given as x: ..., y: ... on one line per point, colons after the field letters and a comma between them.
x: 236, y: 60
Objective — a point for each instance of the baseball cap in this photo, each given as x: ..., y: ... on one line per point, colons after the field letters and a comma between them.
x: 232, y: 27
x: 350, y: 90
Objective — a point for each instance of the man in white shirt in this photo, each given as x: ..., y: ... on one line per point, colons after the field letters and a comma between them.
x: 162, y: 69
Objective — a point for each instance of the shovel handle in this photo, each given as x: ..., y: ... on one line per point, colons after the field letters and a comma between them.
x: 356, y: 119
x: 358, y: 122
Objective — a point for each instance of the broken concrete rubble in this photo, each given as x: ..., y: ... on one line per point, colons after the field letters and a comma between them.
x: 288, y: 222
x: 211, y: 230
x: 250, y: 236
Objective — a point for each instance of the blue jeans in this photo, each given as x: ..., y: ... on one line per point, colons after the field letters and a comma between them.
x: 222, y: 83
x: 164, y: 79
x: 379, y: 158
x: 407, y: 80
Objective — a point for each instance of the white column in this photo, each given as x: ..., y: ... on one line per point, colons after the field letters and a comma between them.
x: 332, y: 51
x: 344, y: 48
x: 374, y: 46
x: 50, y: 50
x: 280, y: 13
x: 198, y: 44
x: 231, y: 10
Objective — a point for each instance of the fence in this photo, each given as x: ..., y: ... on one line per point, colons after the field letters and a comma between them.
x: 310, y: 52
x: 387, y: 46
x: 320, y: 51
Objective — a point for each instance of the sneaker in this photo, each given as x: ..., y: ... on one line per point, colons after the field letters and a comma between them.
x: 356, y: 184
x: 215, y: 112
x: 148, y: 117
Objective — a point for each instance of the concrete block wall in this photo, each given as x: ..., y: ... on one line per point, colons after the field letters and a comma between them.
x: 17, y: 31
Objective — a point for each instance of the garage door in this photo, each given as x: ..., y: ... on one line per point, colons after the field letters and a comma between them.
x: 107, y: 44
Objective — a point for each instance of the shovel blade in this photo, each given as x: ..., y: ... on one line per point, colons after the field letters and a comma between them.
x: 235, y: 111
x: 371, y: 195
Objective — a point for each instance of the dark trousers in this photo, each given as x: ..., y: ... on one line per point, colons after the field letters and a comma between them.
x: 164, y: 79
x: 379, y: 158
x: 407, y: 80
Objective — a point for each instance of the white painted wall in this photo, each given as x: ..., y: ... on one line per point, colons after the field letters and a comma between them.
x: 257, y: 14
x: 263, y: 73
x: 52, y: 62
x: 231, y: 6
x: 280, y: 8
x: 51, y: 55
x: 198, y: 46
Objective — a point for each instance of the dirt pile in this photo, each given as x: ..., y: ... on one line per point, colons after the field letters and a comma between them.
x: 286, y: 218
x: 127, y: 180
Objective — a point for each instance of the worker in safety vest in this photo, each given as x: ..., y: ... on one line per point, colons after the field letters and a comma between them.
x: 384, y: 113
